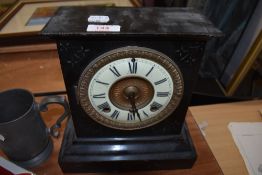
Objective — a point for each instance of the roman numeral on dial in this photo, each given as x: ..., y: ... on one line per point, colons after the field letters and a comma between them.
x: 160, y: 81
x: 155, y: 106
x: 101, y: 82
x: 145, y: 114
x: 104, y: 107
x: 150, y: 71
x: 115, y: 114
x: 132, y: 66
x: 130, y: 116
x: 103, y: 95
x: 162, y: 94
x: 115, y: 71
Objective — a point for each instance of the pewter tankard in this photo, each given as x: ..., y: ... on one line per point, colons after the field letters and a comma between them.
x: 24, y: 137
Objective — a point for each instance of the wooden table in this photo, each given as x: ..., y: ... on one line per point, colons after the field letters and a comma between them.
x: 218, y: 135
x: 35, y: 71
x: 40, y: 71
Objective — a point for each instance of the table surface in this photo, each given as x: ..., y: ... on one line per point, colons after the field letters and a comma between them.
x: 40, y: 72
x: 218, y: 136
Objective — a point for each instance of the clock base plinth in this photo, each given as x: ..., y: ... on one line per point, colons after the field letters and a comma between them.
x: 125, y: 154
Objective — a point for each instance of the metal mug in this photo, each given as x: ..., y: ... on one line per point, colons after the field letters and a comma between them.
x: 24, y: 137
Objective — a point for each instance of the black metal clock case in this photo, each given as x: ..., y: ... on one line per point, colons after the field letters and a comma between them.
x: 88, y: 146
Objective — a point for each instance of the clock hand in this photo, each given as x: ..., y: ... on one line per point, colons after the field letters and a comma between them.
x: 131, y: 98
x: 131, y: 92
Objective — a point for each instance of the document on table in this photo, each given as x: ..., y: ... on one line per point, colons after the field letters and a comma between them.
x: 248, y: 138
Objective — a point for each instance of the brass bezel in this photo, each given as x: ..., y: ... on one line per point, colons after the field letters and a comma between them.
x: 127, y: 52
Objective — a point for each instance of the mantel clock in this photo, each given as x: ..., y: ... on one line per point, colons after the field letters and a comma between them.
x: 129, y: 74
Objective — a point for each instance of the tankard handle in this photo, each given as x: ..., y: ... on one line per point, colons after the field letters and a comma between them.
x: 54, y: 130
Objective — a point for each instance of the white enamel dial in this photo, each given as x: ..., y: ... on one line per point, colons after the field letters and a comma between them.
x: 154, y: 73
x: 131, y: 91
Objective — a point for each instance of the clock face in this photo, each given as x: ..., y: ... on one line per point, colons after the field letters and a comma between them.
x: 130, y: 88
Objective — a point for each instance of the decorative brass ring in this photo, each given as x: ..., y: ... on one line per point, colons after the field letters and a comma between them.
x: 133, y: 52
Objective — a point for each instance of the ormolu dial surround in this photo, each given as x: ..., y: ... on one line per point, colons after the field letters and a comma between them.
x: 108, y: 74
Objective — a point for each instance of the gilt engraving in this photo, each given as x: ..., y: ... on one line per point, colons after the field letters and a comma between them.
x: 72, y: 53
x: 189, y: 53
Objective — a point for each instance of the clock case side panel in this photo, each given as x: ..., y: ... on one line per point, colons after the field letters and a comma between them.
x: 76, y: 53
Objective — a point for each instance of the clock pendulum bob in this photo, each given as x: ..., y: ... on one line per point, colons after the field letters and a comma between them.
x: 128, y: 89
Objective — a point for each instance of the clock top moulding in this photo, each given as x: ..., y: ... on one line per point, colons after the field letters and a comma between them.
x: 155, y: 22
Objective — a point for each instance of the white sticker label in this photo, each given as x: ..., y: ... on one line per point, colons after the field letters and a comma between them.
x: 98, y: 19
x: 103, y: 28
x: 2, y: 138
